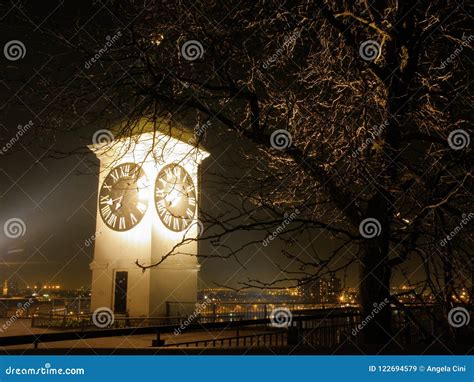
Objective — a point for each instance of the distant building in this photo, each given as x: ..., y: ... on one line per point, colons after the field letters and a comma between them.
x: 325, y: 290
x: 5, y: 289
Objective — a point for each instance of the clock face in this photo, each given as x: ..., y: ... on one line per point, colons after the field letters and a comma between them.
x: 123, y: 198
x: 175, y: 197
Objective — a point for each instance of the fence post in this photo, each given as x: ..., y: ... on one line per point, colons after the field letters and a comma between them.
x: 158, y: 341
x: 238, y: 329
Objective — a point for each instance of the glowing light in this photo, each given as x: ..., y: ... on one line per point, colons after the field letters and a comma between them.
x: 174, y: 196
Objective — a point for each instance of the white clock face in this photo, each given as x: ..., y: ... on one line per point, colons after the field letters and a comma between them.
x: 123, y: 197
x: 175, y: 197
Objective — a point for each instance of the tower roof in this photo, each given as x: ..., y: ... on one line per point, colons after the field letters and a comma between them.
x: 127, y: 129
x: 155, y: 130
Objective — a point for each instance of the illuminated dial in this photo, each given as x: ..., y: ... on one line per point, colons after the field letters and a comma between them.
x: 123, y: 198
x: 175, y: 197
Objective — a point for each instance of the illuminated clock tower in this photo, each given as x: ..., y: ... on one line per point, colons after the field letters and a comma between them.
x: 148, y: 194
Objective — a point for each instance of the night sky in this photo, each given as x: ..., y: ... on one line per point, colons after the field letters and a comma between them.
x: 56, y: 197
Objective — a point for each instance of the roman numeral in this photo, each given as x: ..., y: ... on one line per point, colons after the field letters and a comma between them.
x: 167, y: 218
x: 105, y: 199
x: 164, y: 183
x: 106, y: 211
x: 112, y: 220
x: 169, y: 174
x: 176, y: 222
x: 124, y: 170
x: 122, y: 224
x: 141, y: 207
x: 161, y: 207
x: 189, y: 213
x: 159, y: 193
x: 115, y: 175
x: 177, y: 172
x: 133, y: 219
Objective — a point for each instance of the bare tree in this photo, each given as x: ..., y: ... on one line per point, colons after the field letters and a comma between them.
x: 357, y: 115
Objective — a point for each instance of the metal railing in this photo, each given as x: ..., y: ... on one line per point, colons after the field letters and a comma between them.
x: 29, y: 306
x: 176, y: 312
x: 260, y: 339
x: 85, y: 322
x: 306, y: 321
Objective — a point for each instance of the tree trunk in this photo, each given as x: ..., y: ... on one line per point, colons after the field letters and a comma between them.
x: 375, y: 277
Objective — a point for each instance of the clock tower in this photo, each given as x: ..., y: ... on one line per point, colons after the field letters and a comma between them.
x: 148, y: 194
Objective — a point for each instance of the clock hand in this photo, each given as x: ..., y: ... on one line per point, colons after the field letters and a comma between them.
x: 119, y: 203
x: 112, y: 201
